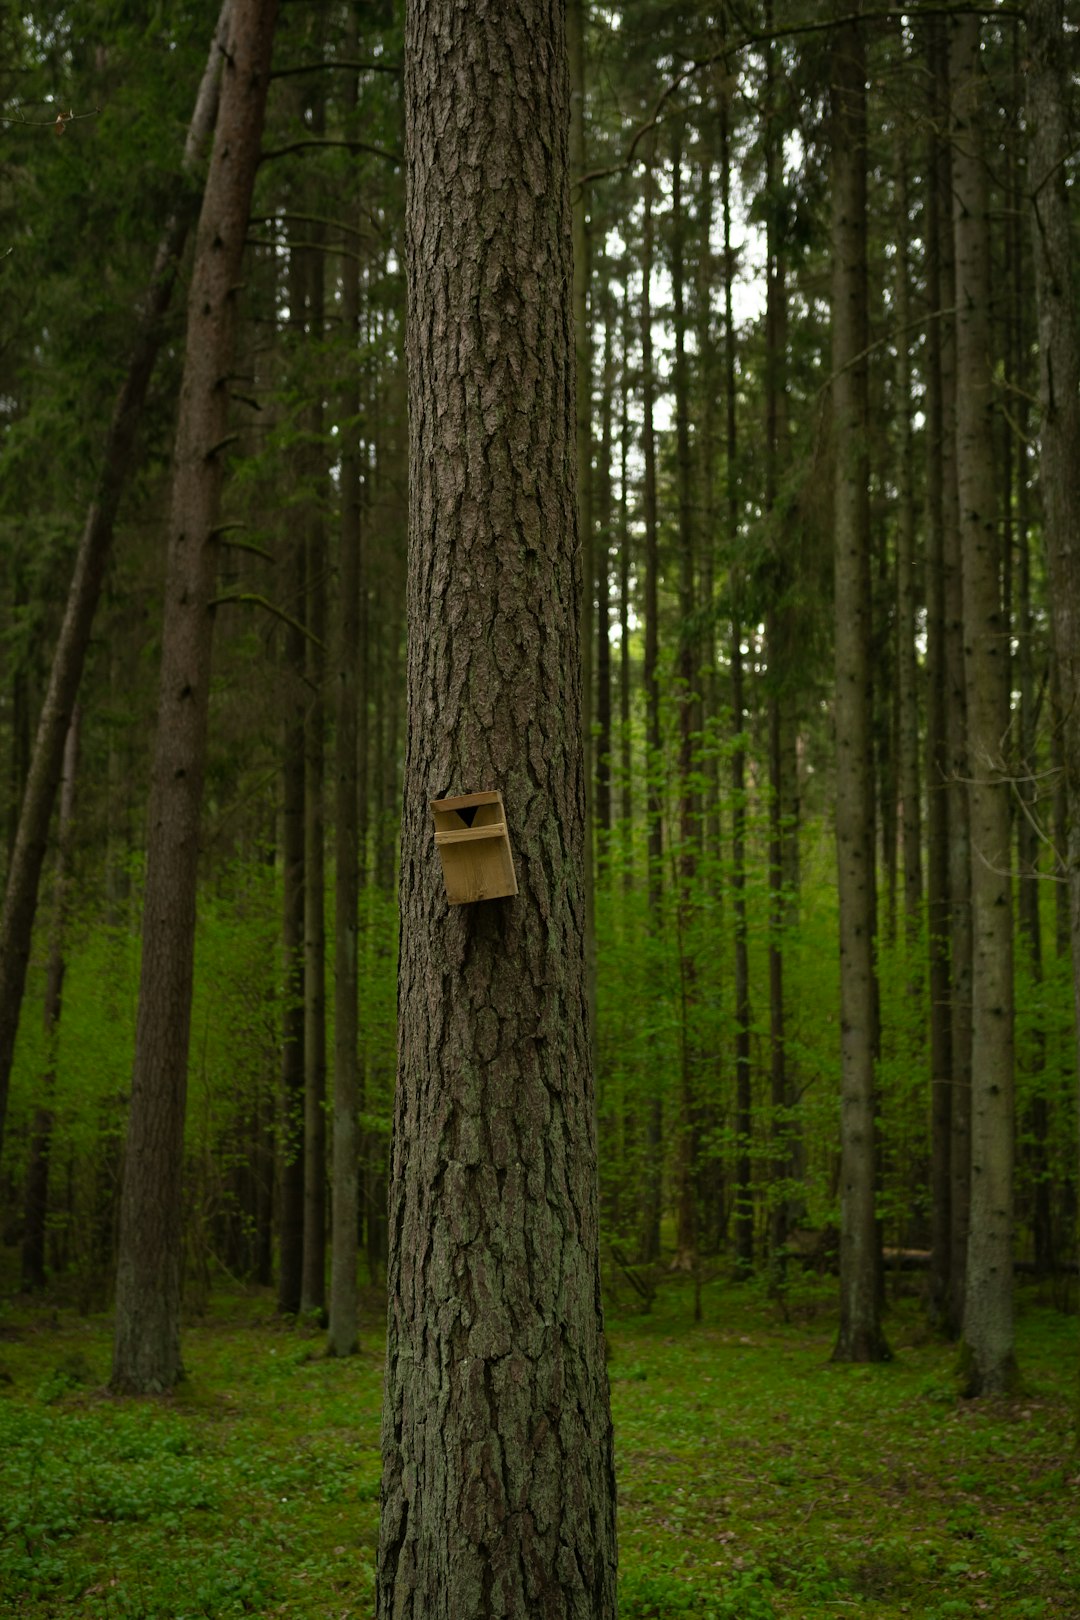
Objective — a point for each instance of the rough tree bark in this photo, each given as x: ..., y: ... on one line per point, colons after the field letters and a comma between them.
x: 43, y: 779
x: 146, y: 1348
x: 498, y: 1489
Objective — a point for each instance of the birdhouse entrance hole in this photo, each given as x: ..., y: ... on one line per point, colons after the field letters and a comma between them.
x: 473, y: 843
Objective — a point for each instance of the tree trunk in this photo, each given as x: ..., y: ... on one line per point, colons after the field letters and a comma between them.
x: 575, y: 47
x: 937, y: 799
x: 36, y: 1202
x: 31, y: 837
x: 293, y: 851
x: 744, y: 1192
x: 313, y: 1268
x: 860, y: 1337
x: 778, y: 649
x: 906, y: 593
x: 146, y: 1353
x: 654, y: 1129
x: 344, y: 1237
x: 603, y: 583
x: 1059, y: 394
x: 686, y: 1193
x: 498, y: 1487
x: 958, y: 815
x: 988, y: 1313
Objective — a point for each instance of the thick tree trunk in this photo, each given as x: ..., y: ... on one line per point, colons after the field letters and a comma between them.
x: 498, y: 1489
x: 860, y: 1337
x: 31, y: 836
x: 988, y: 1312
x: 146, y: 1354
x: 1059, y: 393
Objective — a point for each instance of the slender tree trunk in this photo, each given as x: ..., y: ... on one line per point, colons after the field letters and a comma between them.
x: 292, y: 1119
x: 146, y: 1353
x: 603, y: 583
x: 344, y: 1238
x: 744, y: 1192
x: 777, y: 645
x: 906, y: 592
x: 860, y: 1337
x: 937, y: 798
x: 958, y: 816
x: 31, y: 837
x: 988, y: 1311
x: 1028, y: 829
x: 686, y: 1207
x: 1059, y: 395
x: 290, y: 1129
x: 313, y: 1268
x: 36, y: 1203
x: 498, y: 1487
x: 626, y: 756
x: 654, y: 1133
x: 582, y: 245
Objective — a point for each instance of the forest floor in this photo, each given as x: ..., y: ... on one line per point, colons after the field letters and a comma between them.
x: 757, y: 1481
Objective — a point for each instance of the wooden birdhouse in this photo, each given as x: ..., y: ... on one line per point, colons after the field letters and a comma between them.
x: 471, y: 837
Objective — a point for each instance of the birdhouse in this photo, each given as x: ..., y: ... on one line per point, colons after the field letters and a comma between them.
x: 471, y: 837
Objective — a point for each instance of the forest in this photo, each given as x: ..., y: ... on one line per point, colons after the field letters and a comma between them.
x: 790, y: 744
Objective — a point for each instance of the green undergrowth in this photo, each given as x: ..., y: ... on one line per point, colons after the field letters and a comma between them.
x: 756, y: 1479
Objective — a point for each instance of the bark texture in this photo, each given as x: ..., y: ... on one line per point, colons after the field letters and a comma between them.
x: 146, y: 1351
x: 498, y: 1490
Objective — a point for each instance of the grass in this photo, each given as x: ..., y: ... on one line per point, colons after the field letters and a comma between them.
x: 756, y: 1480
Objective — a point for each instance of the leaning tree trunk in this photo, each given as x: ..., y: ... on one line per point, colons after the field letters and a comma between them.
x: 988, y: 1308
x: 146, y: 1352
x: 1059, y: 390
x: 43, y: 779
x: 860, y: 1337
x: 498, y: 1488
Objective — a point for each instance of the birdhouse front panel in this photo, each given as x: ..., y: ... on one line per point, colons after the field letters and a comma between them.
x: 474, y: 846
